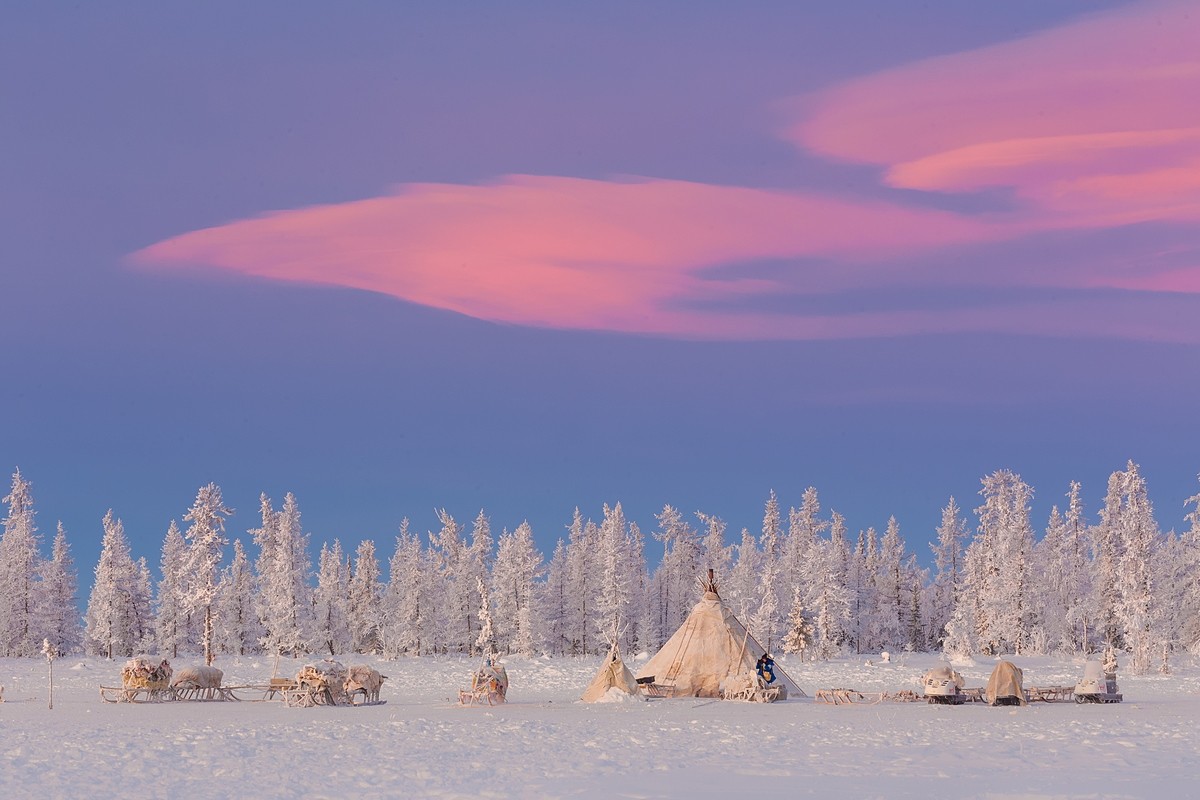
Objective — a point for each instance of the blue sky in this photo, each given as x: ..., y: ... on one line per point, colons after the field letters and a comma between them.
x: 888, y: 318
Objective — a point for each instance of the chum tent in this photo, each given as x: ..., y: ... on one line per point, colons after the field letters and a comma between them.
x: 613, y: 674
x: 711, y: 646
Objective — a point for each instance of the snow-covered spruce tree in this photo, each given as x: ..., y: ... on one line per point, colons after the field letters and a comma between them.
x: 831, y: 598
x: 112, y: 614
x: 171, y: 624
x: 517, y: 569
x: 800, y: 562
x: 1076, y: 586
x: 715, y: 554
x: 406, y: 608
x: 769, y: 609
x: 1137, y: 611
x: 238, y: 630
x: 485, y: 642
x: 948, y: 559
x: 478, y: 565
x: 455, y: 592
x: 1000, y: 589
x: 613, y: 604
x: 1107, y: 554
x: 365, y: 597
x: 59, y: 613
x: 19, y: 557
x: 143, y: 605
x: 554, y: 602
x: 799, y: 634
x: 675, y: 578
x: 330, y: 601
x: 202, y: 572
x: 874, y: 602
x: 740, y: 589
x: 1189, y: 584
x: 283, y: 597
x: 889, y: 583
x: 583, y: 582
x: 639, y: 590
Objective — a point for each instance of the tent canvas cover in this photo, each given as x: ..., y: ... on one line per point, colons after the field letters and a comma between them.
x: 613, y: 674
x: 710, y: 646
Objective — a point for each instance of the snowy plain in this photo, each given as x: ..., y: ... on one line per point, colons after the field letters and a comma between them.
x: 545, y: 744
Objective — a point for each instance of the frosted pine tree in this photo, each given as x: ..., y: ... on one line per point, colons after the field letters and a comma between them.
x: 59, y: 612
x: 800, y: 550
x: 238, y: 631
x: 284, y: 599
x: 768, y: 614
x: 889, y: 583
x: 330, y: 600
x: 1137, y: 610
x: 142, y: 600
x: 1079, y: 622
x: 675, y: 578
x: 456, y: 601
x: 948, y: 559
x: 171, y: 624
x: 636, y: 635
x: 831, y: 596
x: 112, y: 614
x: 583, y: 579
x: 554, y: 603
x: 365, y: 597
x: 613, y: 601
x: 799, y: 634
x: 716, y: 555
x: 407, y: 609
x: 19, y: 557
x: 740, y: 590
x: 1189, y: 566
x: 486, y: 641
x: 517, y: 568
x: 202, y: 571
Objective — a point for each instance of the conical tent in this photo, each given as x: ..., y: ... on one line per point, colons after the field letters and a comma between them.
x: 709, y: 647
x: 613, y: 674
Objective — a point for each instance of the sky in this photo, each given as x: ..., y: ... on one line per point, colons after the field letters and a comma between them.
x: 531, y: 256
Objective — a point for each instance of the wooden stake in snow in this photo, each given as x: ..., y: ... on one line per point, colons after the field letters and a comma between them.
x: 50, y: 653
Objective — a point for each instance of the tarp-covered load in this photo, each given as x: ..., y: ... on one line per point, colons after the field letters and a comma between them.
x: 613, y: 675
x: 710, y: 647
x: 1005, y: 685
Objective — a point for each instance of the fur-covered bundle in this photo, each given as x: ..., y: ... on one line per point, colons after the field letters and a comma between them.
x: 327, y: 675
x: 141, y: 672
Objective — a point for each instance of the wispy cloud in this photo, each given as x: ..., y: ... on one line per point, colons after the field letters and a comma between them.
x: 1090, y: 126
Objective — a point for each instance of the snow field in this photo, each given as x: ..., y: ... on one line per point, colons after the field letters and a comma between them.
x: 544, y: 744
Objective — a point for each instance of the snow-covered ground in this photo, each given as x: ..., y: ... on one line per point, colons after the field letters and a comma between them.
x: 544, y: 744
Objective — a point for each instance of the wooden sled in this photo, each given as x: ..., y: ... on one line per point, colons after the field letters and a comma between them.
x: 845, y: 697
x: 750, y: 688
x: 137, y: 694
x: 649, y: 688
x: 206, y: 695
x: 1050, y: 694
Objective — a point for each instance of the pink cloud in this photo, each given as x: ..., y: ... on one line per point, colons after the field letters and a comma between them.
x: 573, y: 253
x: 1090, y: 126
x: 1092, y: 123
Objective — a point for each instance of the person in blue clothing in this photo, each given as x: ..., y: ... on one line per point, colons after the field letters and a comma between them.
x: 766, y: 668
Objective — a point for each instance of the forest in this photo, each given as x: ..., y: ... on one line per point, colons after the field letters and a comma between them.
x: 802, y: 584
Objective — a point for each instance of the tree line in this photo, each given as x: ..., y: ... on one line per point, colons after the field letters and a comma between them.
x: 802, y: 583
